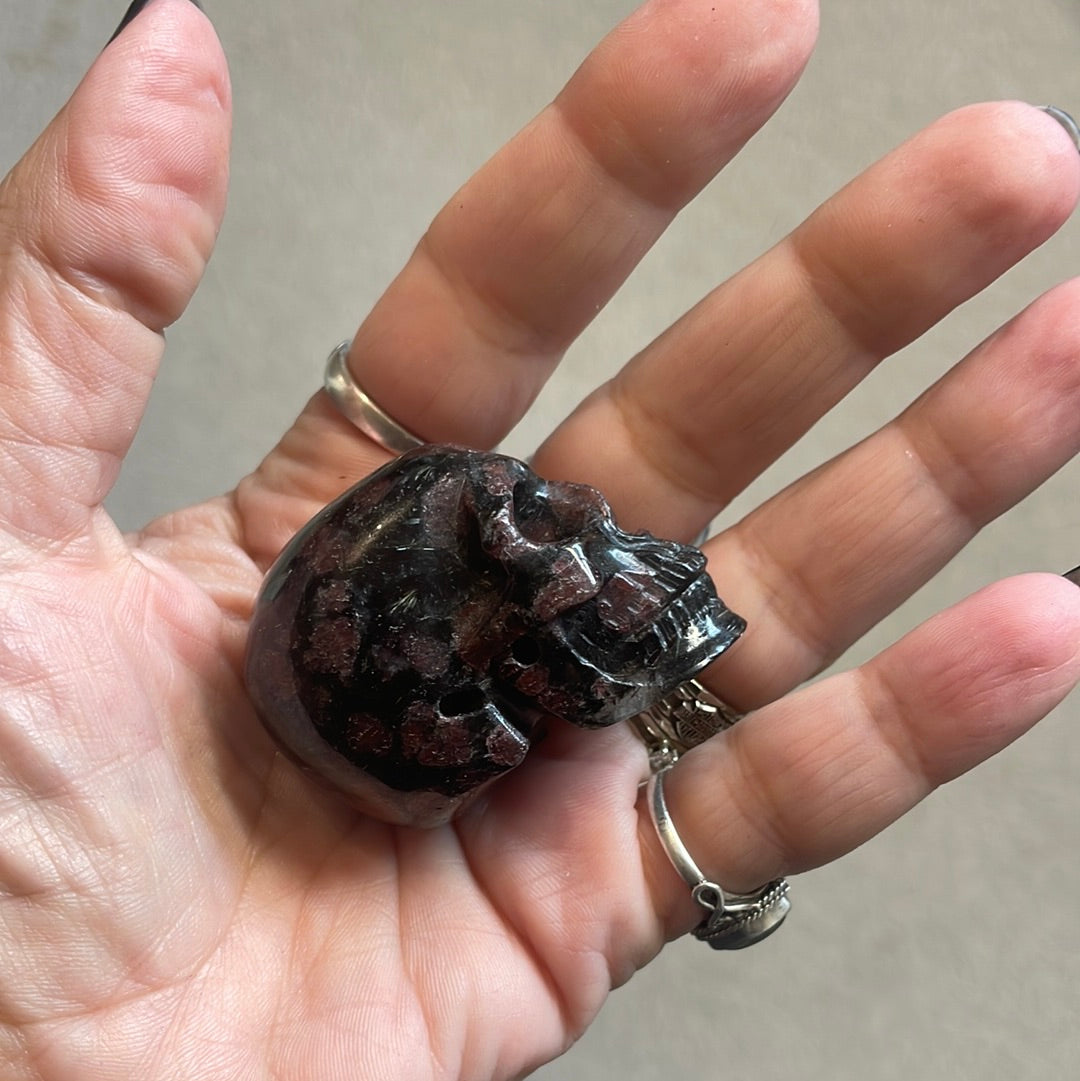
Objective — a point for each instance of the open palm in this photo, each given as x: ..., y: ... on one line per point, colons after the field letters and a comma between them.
x: 176, y: 899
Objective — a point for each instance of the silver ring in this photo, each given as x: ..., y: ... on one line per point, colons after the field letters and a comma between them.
x: 734, y: 920
x: 683, y: 719
x: 357, y: 407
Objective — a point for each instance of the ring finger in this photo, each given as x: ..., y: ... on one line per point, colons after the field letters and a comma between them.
x: 810, y: 777
x: 817, y: 565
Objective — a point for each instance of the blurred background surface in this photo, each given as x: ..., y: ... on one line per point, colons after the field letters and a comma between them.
x: 948, y: 949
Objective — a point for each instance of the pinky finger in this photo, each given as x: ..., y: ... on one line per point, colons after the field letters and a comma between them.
x: 817, y: 773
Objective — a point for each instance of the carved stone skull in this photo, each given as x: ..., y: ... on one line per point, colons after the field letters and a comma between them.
x: 412, y: 638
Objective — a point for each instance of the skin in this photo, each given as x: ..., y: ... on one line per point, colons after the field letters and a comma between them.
x: 175, y: 899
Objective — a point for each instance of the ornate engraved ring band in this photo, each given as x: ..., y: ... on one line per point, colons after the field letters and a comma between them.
x: 734, y: 920
x: 358, y: 408
x: 689, y: 715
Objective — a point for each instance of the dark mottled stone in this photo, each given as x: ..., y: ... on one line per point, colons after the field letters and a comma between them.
x: 410, y: 640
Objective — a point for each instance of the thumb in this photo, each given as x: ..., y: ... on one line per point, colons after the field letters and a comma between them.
x: 105, y: 229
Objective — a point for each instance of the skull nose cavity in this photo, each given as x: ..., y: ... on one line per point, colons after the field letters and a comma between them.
x: 525, y: 651
x: 462, y: 702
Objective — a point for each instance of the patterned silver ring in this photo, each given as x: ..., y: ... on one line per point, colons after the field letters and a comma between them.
x: 685, y: 718
x: 357, y: 407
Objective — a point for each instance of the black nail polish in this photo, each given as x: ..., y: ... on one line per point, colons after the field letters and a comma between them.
x: 1067, y: 122
x: 134, y: 10
x: 1073, y: 576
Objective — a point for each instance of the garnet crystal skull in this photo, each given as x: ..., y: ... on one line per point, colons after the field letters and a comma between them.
x: 410, y: 641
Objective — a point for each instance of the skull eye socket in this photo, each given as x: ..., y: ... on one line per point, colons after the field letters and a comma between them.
x: 525, y: 651
x: 462, y: 702
x: 550, y: 513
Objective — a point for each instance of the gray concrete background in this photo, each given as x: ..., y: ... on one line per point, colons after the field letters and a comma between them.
x: 947, y: 949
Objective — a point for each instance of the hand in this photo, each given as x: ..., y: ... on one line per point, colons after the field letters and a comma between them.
x: 178, y: 901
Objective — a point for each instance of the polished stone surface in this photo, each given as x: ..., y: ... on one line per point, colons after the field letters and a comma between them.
x: 410, y: 641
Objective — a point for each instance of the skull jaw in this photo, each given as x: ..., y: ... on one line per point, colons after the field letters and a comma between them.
x: 422, y: 808
x: 594, y: 679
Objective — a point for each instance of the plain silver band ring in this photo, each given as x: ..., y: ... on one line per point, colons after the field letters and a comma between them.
x: 360, y: 410
x: 676, y: 851
x: 734, y: 920
x: 704, y: 891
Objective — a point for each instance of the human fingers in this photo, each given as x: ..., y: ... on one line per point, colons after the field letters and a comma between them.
x: 521, y: 259
x: 820, y: 563
x: 105, y: 227
x: 810, y: 777
x: 710, y: 404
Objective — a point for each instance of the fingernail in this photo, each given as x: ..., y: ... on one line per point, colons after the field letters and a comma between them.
x: 1067, y: 123
x: 133, y: 11
x: 1073, y: 576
